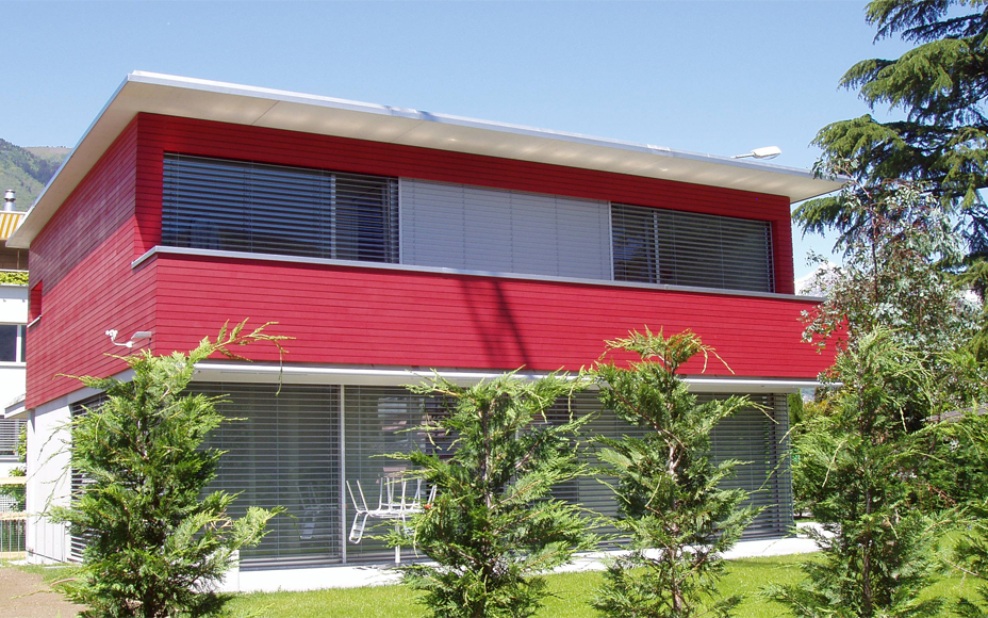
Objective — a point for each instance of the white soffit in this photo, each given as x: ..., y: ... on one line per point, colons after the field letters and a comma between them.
x: 260, y: 107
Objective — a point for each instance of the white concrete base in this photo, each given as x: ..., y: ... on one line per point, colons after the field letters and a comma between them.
x: 317, y: 578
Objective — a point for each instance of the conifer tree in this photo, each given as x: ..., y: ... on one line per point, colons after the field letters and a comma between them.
x: 670, y: 502
x: 972, y: 555
x: 494, y: 526
x: 895, y: 238
x: 859, y: 461
x: 940, y: 85
x: 156, y: 542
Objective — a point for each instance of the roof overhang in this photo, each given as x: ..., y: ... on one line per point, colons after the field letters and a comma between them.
x: 262, y: 107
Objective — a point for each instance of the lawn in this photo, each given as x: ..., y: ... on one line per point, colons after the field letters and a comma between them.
x: 571, y: 593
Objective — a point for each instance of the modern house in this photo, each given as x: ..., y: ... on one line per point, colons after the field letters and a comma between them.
x: 391, y: 243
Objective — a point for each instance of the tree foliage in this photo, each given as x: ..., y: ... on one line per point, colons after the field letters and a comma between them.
x: 940, y: 85
x: 495, y: 525
x: 668, y: 488
x: 13, y: 277
x: 156, y: 541
x: 972, y: 556
x: 896, y: 239
x: 860, y: 461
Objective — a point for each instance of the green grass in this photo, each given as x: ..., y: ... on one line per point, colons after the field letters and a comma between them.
x: 570, y: 594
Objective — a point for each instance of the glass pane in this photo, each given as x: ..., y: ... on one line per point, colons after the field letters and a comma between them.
x: 8, y: 343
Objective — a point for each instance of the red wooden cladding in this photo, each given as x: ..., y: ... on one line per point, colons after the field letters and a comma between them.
x: 354, y: 316
x: 366, y: 316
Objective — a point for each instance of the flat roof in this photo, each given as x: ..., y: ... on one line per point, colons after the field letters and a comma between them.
x: 278, y: 109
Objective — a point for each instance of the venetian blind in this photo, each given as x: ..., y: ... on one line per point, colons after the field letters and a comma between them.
x: 680, y: 248
x: 380, y: 421
x: 10, y: 431
x: 283, y: 449
x: 502, y: 231
x: 755, y: 437
x: 243, y: 206
x: 77, y: 479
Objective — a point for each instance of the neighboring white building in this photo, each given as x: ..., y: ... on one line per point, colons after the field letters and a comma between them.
x: 13, y: 320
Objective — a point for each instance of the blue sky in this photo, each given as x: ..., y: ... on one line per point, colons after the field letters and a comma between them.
x: 719, y: 77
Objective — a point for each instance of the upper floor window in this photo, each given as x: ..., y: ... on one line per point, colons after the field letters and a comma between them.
x: 11, y: 343
x: 680, y: 248
x: 259, y: 208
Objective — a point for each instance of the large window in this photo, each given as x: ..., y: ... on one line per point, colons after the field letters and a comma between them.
x: 300, y: 446
x: 678, y: 248
x: 282, y: 448
x: 259, y: 208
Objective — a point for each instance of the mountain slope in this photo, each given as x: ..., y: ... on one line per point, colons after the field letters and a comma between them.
x: 28, y: 170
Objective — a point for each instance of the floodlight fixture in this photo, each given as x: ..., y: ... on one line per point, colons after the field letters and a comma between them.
x: 764, y: 153
x: 138, y: 336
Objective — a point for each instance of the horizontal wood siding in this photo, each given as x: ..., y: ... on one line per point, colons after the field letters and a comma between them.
x: 358, y: 316
x: 82, y: 259
x: 211, y: 139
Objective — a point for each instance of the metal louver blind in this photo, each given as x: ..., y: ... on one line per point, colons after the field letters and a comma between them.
x: 750, y: 436
x: 635, y: 243
x: 758, y: 438
x: 10, y: 431
x: 503, y: 231
x: 78, y: 480
x: 283, y: 450
x: 681, y: 248
x: 260, y: 208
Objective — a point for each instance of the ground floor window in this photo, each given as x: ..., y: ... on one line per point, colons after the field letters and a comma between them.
x: 283, y: 449
x: 301, y: 447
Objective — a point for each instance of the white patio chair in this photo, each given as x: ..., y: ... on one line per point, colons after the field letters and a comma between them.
x: 394, y: 502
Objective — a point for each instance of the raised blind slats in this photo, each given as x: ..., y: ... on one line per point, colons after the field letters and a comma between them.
x: 243, y: 206
x: 680, y: 248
